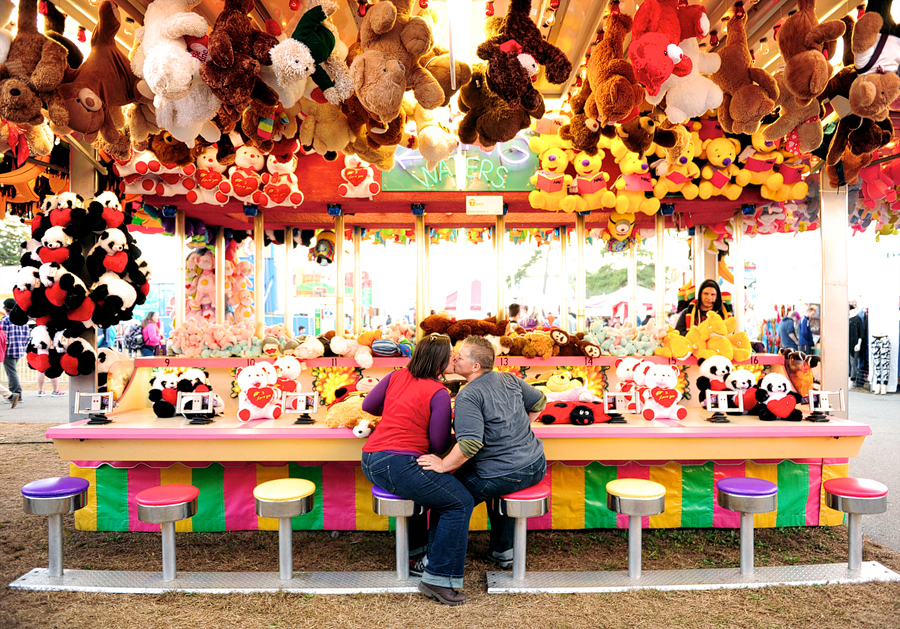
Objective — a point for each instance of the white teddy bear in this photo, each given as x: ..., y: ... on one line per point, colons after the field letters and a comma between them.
x: 660, y: 397
x: 244, y: 179
x: 280, y: 186
x: 259, y: 397
x: 351, y: 348
x: 209, y: 174
x: 359, y: 178
x: 692, y: 95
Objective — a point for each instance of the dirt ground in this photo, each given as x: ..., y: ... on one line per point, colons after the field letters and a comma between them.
x: 23, y: 546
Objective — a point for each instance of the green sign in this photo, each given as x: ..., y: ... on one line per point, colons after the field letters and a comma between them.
x: 506, y: 168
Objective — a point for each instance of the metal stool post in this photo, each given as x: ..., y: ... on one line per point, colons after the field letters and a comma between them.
x: 531, y: 502
x: 55, y: 497
x: 391, y: 505
x: 168, y: 550
x: 856, y: 497
x: 635, y: 539
x: 285, y: 549
x: 635, y: 498
x: 747, y: 496
x: 519, y: 540
x: 165, y: 505
x: 283, y: 499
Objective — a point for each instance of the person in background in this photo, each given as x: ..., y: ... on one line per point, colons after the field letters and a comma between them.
x: 9, y: 396
x: 16, y: 342
x: 150, y: 330
x: 54, y: 382
x: 787, y: 332
x: 709, y: 299
x: 107, y: 337
x: 857, y: 334
x: 301, y: 330
x: 529, y: 322
x: 514, y: 313
x: 573, y: 322
x: 804, y: 336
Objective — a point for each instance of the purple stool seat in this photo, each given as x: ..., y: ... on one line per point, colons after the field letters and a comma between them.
x: 55, y: 497
x: 384, y: 494
x: 747, y: 496
x: 58, y: 487
x: 392, y: 505
x: 749, y: 487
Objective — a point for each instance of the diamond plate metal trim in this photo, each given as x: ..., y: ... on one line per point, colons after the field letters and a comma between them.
x: 707, y: 579
x: 124, y: 582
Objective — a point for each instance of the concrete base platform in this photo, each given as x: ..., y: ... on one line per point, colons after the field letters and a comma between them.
x: 124, y: 582
x: 707, y: 579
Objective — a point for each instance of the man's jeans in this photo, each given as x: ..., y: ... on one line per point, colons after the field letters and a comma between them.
x: 484, y: 489
x: 450, y: 504
x: 10, y: 364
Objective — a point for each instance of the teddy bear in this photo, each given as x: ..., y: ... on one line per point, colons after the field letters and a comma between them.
x: 628, y: 194
x: 279, y: 184
x: 349, y: 414
x: 376, y: 133
x: 797, y: 125
x: 359, y: 179
x: 846, y: 171
x: 244, y: 177
x: 460, y: 329
x: 749, y: 93
x: 259, y: 398
x: 541, y: 345
x: 639, y: 134
x: 489, y: 118
x: 679, y: 176
x: 437, y: 61
x: 660, y: 396
x: 325, y: 128
x: 169, y: 150
x: 721, y: 169
x: 691, y: 95
x: 760, y: 163
x: 803, y: 43
x: 586, y: 190
x: 392, y: 42
x: 436, y: 142
x: 352, y: 348
x: 874, y: 50
x: 209, y: 174
x: 34, y: 68
x: 580, y: 130
x: 551, y: 182
x: 236, y: 50
x: 563, y: 343
x: 513, y: 55
x: 776, y: 400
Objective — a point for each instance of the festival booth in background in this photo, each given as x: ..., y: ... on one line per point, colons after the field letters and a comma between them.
x: 316, y: 163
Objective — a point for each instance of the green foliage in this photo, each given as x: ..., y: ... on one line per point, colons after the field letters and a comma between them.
x: 608, y: 279
x: 514, y: 281
x: 12, y: 234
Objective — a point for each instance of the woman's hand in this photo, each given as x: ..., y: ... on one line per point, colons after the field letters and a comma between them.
x: 431, y: 462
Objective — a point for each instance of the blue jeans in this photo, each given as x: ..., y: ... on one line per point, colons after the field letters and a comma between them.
x: 484, y: 489
x: 10, y: 363
x: 147, y: 350
x: 450, y: 504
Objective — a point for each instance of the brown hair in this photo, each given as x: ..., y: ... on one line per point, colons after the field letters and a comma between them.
x: 480, y: 351
x: 431, y: 357
x: 148, y: 318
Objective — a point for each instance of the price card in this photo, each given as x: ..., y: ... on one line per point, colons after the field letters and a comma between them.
x: 619, y: 402
x: 718, y: 401
x: 87, y: 403
x: 821, y: 401
x: 191, y: 403
x: 299, y: 402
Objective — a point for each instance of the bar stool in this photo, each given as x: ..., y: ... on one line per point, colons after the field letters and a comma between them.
x: 530, y: 502
x: 392, y: 505
x: 285, y: 498
x: 856, y: 497
x: 747, y: 496
x: 635, y: 498
x: 55, y: 497
x: 165, y: 505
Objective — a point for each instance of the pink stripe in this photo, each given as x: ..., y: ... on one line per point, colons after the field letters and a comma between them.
x: 723, y: 518
x: 238, y: 484
x: 835, y: 461
x: 812, y: 498
x: 139, y: 479
x: 338, y: 497
x: 632, y: 470
x: 546, y: 520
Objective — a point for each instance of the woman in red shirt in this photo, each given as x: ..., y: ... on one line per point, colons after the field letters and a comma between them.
x: 415, y: 411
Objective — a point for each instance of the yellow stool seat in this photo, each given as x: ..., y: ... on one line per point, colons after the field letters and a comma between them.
x: 635, y: 488
x: 284, y: 489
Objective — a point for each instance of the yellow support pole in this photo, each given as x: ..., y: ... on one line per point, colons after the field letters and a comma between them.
x: 357, y: 280
x: 499, y: 244
x: 220, y: 275
x: 339, y: 272
x: 581, y: 276
x: 259, y: 270
x: 421, y: 278
x: 180, y: 294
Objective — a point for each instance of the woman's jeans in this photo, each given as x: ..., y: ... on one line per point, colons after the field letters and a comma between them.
x: 451, y: 508
x: 147, y: 350
x: 484, y: 489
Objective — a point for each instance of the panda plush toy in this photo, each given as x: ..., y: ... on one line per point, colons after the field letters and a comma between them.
x: 714, y: 372
x: 743, y: 381
x: 164, y: 394
x: 58, y: 246
x: 113, y: 298
x: 109, y: 254
x: 776, y: 400
x: 105, y: 212
x: 40, y: 345
x: 79, y: 359
x: 28, y: 278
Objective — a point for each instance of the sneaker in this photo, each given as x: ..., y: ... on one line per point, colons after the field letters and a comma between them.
x: 504, y: 564
x: 13, y: 400
x: 58, y: 393
x: 447, y: 596
x: 41, y: 394
x: 416, y: 567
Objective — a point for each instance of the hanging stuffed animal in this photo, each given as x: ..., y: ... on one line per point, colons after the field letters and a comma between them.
x: 799, y: 126
x: 489, y: 118
x: 691, y: 95
x: 323, y: 252
x: 359, y: 178
x: 805, y: 46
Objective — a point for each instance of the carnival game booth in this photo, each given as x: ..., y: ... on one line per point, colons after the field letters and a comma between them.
x: 683, y: 130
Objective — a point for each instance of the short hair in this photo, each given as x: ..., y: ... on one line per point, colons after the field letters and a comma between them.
x: 9, y: 303
x: 513, y: 310
x: 431, y: 357
x: 481, y: 351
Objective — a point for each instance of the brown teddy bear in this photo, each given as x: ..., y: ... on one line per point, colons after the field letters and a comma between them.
x: 392, y: 42
x: 749, y: 93
x: 638, y: 134
x: 324, y: 129
x: 236, y: 50
x: 376, y: 133
x: 168, y: 150
x: 798, y: 125
x: 542, y: 343
x: 54, y: 27
x: 34, y: 68
x: 564, y: 345
x: 614, y: 92
x: 488, y: 118
x: 461, y: 329
x: 436, y: 323
x: 516, y: 53
x: 803, y: 43
x: 846, y: 171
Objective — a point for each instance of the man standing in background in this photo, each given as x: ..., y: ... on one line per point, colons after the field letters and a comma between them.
x: 16, y: 342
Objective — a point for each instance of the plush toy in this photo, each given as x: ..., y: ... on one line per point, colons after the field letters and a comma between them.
x: 110, y: 253
x: 488, y: 117
x: 6, y: 9
x: 718, y: 173
x: 259, y: 397
x: 359, y: 178
x: 288, y: 369
x: 586, y: 190
x: 629, y: 194
x: 349, y: 414
x: 618, y: 232
x: 244, y: 178
x: 57, y: 246
x: 760, y: 163
x: 660, y: 397
x: 679, y: 176
x: 564, y: 345
x: 579, y: 129
x: 551, y: 182
x: 691, y: 95
x: 743, y: 381
x: 169, y: 150
x: 749, y: 93
x: 325, y: 128
x: 776, y: 399
x: 54, y: 27
x: 674, y: 346
x: 612, y: 90
x: 236, y: 50
x: 797, y: 125
x: 625, y: 373
x: 114, y: 300
x: 436, y: 142
x: 209, y: 174
x: 513, y: 55
x: 874, y: 50
x: 638, y: 135
x: 164, y: 394
x: 714, y: 371
x: 279, y: 184
x: 577, y: 413
x: 804, y: 43
x: 541, y: 343
x: 376, y: 133
x: 33, y: 69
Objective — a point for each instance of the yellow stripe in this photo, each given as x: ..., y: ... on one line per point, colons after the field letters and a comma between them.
x: 366, y: 518
x: 479, y: 519
x: 669, y: 476
x: 265, y: 473
x: 179, y: 474
x: 567, y: 496
x: 86, y: 518
x: 769, y: 473
x: 828, y: 516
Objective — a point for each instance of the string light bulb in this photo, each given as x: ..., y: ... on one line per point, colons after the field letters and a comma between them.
x: 82, y: 34
x: 713, y: 38
x: 549, y: 18
x: 294, y: 5
x: 489, y: 8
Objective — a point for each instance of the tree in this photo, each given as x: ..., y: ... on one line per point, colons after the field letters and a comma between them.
x: 514, y: 280
x: 607, y: 280
x: 12, y: 234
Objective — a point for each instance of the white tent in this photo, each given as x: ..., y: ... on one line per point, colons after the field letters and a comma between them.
x: 607, y: 305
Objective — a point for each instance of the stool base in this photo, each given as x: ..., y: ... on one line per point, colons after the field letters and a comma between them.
x: 705, y: 579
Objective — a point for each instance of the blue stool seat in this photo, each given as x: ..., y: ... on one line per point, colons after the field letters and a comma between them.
x: 392, y: 505
x: 747, y: 496
x: 55, y: 497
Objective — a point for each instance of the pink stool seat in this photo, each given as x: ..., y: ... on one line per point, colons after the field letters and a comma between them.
x: 535, y: 492
x: 855, y: 488
x: 165, y: 495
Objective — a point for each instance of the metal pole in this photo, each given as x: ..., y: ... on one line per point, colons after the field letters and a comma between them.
x: 420, y: 235
x: 835, y: 333
x: 746, y: 544
x: 259, y: 280
x: 520, y: 530
x: 339, y: 326
x: 55, y: 539
x: 698, y: 258
x: 564, y: 272
x: 402, y: 536
x: 499, y: 244
x: 285, y: 549
x: 357, y: 280
x: 738, y: 257
x: 660, y: 270
x: 710, y: 264
x: 854, y: 532
x: 632, y: 284
x: 580, y: 275
x: 289, y: 279
x: 168, y: 550
x: 180, y: 293
x: 220, y: 275
x: 426, y: 287
x: 634, y: 547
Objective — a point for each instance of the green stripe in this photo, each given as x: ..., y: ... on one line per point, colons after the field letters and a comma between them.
x: 596, y: 515
x: 697, y: 495
x: 793, y: 491
x: 211, y: 505
x: 312, y: 520
x: 112, y: 498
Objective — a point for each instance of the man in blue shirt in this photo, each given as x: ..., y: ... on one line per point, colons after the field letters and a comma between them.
x: 805, y: 339
x: 16, y: 342
x: 786, y: 333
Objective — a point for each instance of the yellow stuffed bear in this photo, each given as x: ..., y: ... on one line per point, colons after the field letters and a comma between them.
x: 674, y: 346
x: 759, y: 166
x: 680, y: 175
x: 792, y: 187
x: 629, y: 194
x: 589, y: 185
x: 551, y: 181
x: 718, y: 173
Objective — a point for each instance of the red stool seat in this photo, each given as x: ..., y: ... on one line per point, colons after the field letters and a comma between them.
x: 535, y: 492
x: 165, y: 495
x: 855, y: 488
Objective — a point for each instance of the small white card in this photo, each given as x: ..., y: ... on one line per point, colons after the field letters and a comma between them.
x: 484, y: 205
x: 300, y: 402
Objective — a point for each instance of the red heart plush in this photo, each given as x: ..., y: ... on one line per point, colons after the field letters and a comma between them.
x: 116, y: 262
x: 783, y: 407
x: 749, y: 398
x: 60, y: 217
x: 261, y: 396
x: 170, y: 396
x: 53, y: 255
x: 355, y: 175
x: 244, y: 185
x: 208, y: 179
x: 38, y: 362
x: 664, y: 397
x: 83, y: 312
x: 23, y: 298
x: 717, y: 385
x: 55, y: 295
x: 277, y: 193
x: 69, y: 364
x: 286, y: 384
x: 113, y: 217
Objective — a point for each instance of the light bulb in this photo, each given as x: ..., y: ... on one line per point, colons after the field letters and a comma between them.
x: 764, y: 45
x: 549, y: 19
x: 129, y: 26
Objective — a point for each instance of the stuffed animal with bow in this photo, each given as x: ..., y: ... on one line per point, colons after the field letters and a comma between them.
x: 280, y: 185
x: 660, y: 396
